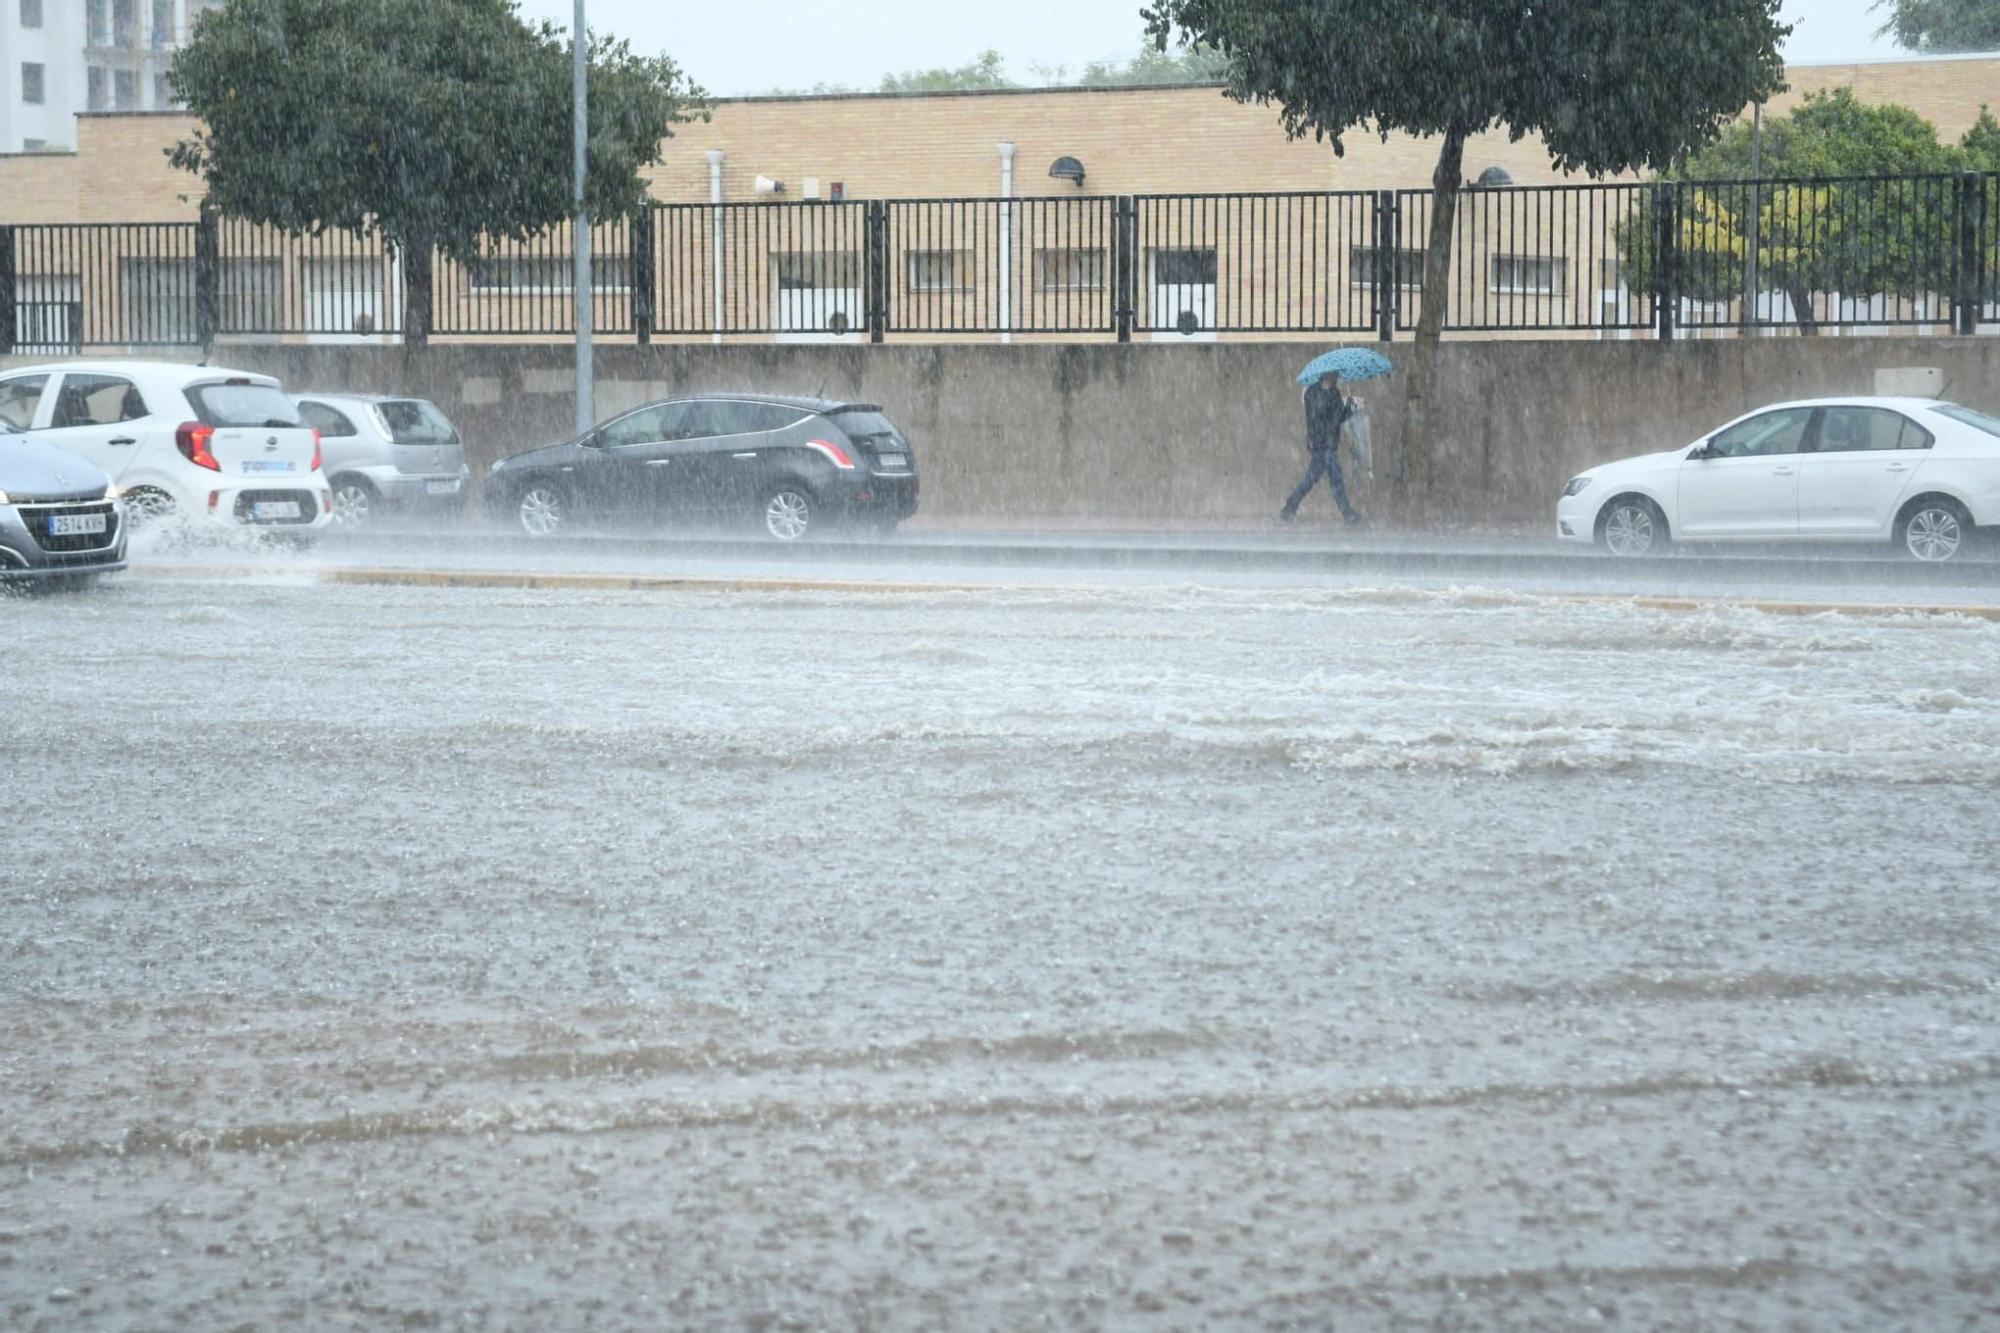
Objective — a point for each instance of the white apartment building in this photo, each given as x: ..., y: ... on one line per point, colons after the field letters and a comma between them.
x: 62, y: 57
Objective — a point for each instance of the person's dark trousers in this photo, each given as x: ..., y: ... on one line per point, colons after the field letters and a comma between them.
x: 1324, y: 464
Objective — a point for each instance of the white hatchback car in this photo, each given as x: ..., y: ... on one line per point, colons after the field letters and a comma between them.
x: 1913, y: 471
x: 222, y: 443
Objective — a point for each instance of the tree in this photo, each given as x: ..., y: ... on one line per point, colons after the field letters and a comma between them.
x: 1610, y: 86
x: 1942, y: 25
x: 447, y: 126
x: 1188, y: 64
x: 985, y: 72
x: 1827, y: 225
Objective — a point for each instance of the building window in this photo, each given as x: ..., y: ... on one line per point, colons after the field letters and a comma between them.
x: 1070, y: 270
x: 32, y: 91
x: 545, y: 273
x: 98, y: 88
x: 1184, y: 268
x: 125, y: 90
x: 807, y: 272
x: 163, y: 93
x: 163, y: 24
x: 1528, y: 275
x: 936, y: 271
x: 125, y: 23
x: 99, y: 28
x: 1364, y: 268
x: 31, y: 13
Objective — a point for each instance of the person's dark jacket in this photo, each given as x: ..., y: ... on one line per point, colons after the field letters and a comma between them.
x: 1325, y: 411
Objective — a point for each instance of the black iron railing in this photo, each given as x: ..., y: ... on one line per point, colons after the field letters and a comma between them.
x: 1706, y: 257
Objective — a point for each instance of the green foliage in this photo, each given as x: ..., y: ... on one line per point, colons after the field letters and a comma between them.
x: 1822, y: 233
x: 1981, y: 144
x: 435, y: 124
x: 985, y: 72
x: 1610, y: 86
x: 1943, y: 25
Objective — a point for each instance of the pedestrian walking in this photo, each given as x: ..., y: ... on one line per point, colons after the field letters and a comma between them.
x: 1326, y: 410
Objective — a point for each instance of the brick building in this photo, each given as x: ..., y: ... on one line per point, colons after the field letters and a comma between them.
x: 1235, y: 227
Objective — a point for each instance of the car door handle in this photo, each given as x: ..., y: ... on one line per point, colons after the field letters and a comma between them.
x: 751, y: 454
x: 1782, y: 471
x: 658, y: 462
x: 1899, y: 467
x: 123, y: 439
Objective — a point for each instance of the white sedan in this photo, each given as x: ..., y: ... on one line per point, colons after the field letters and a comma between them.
x: 1913, y: 471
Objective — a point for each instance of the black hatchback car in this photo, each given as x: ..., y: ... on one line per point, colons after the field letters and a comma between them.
x: 788, y: 467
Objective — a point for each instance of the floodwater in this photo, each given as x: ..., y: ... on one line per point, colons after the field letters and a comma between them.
x: 1138, y: 957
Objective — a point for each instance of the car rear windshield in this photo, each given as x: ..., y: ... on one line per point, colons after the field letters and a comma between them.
x: 1976, y: 420
x: 414, y: 421
x: 242, y: 405
x: 864, y: 425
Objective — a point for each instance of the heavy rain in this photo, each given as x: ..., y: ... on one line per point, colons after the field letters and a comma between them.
x: 944, y: 719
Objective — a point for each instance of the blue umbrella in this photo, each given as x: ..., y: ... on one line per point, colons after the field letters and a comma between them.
x: 1349, y: 363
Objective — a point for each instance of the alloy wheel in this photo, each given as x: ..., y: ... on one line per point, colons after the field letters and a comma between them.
x: 787, y: 515
x: 1630, y: 530
x: 540, y: 511
x: 1933, y: 533
x: 353, y: 505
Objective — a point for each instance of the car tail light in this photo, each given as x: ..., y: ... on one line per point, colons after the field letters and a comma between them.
x: 315, y: 466
x: 834, y: 452
x: 192, y: 440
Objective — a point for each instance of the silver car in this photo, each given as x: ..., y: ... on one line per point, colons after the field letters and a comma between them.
x: 382, y: 453
x: 59, y: 521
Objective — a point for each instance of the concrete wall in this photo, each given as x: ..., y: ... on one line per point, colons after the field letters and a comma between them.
x: 1194, y: 434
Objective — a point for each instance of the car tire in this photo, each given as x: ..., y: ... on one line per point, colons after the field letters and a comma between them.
x: 1933, y: 529
x: 1632, y: 527
x: 787, y: 512
x: 355, y: 503
x: 147, y: 505
x: 540, y: 509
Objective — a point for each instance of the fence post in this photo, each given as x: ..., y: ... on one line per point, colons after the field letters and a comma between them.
x: 876, y: 284
x: 1387, y: 281
x: 207, y: 279
x: 639, y: 271
x: 1971, y: 254
x: 1124, y: 269
x: 1664, y: 262
x: 9, y: 302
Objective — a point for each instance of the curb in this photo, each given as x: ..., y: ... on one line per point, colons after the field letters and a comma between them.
x: 478, y: 578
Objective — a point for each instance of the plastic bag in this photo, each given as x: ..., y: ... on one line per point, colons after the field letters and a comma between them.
x: 1359, y: 435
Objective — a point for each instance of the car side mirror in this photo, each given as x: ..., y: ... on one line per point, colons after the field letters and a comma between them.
x: 1702, y: 451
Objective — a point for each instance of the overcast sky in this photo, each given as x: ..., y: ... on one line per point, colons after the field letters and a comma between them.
x: 739, y: 47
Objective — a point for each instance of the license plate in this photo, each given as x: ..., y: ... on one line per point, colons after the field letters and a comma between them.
x: 893, y: 460
x: 441, y: 488
x: 267, y: 465
x: 75, y: 525
x: 263, y: 510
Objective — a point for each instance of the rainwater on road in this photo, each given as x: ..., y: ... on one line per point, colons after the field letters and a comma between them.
x: 1145, y: 956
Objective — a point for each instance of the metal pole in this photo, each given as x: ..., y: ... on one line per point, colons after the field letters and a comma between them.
x: 579, y: 41
x: 715, y: 229
x: 1756, y: 209
x: 1006, y: 243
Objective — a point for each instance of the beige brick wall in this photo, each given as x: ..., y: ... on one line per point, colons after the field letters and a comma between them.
x: 1130, y: 141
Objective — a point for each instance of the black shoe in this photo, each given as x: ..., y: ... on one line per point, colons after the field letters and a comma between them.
x: 1353, y: 518
x: 1287, y: 516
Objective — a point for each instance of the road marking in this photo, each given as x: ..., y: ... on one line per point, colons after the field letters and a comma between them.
x: 522, y: 579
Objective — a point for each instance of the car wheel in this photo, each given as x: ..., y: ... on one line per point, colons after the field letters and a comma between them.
x: 147, y: 505
x: 1933, y: 529
x: 1632, y: 526
x: 540, y: 509
x: 787, y: 513
x: 354, y: 503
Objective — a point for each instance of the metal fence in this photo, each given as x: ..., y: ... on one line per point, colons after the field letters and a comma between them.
x: 1613, y: 260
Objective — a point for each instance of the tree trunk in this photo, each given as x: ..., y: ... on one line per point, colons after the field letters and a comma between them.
x: 1414, y: 478
x: 416, y: 260
x: 1802, y: 309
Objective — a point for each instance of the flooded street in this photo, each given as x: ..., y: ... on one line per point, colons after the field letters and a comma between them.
x: 1128, y: 956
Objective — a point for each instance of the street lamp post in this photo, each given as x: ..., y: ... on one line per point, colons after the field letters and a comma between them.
x: 579, y: 42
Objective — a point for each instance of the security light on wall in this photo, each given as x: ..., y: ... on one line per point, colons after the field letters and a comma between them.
x: 1068, y: 169
x: 1493, y: 178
